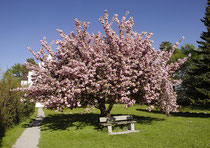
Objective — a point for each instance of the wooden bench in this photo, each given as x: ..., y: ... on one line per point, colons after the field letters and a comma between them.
x: 118, y: 120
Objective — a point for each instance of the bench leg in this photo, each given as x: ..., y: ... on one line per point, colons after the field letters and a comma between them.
x: 131, y: 127
x: 109, y: 129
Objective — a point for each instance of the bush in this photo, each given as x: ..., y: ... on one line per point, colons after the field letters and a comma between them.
x: 12, y: 111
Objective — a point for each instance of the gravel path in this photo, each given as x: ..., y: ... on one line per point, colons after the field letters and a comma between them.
x: 30, y: 136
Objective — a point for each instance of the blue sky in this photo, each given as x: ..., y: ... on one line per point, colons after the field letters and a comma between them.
x: 25, y: 22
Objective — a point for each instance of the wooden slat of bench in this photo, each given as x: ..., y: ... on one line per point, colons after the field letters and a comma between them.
x: 116, y: 118
x: 124, y: 117
x: 103, y: 119
x: 117, y: 123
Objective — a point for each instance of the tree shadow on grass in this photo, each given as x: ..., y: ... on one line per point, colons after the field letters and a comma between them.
x: 63, y: 121
x: 1, y: 136
x: 146, y: 120
x: 180, y: 114
x: 80, y: 121
x: 30, y: 124
x: 34, y: 122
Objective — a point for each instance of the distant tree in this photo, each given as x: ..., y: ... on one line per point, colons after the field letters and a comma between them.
x: 182, y: 73
x: 186, y: 50
x: 198, y: 85
x: 177, y: 54
x: 166, y: 45
x: 18, y: 70
x: 31, y: 60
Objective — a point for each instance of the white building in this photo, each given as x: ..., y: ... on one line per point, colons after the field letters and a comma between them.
x: 26, y: 79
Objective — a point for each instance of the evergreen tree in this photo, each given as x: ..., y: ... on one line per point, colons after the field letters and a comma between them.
x: 198, y: 85
x: 183, y: 73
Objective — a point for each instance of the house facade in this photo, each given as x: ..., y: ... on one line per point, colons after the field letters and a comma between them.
x: 26, y: 79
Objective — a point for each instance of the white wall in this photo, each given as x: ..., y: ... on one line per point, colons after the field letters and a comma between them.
x: 30, y: 73
x: 29, y: 81
x: 24, y: 82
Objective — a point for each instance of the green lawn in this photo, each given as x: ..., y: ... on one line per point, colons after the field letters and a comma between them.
x: 11, y: 135
x: 74, y: 128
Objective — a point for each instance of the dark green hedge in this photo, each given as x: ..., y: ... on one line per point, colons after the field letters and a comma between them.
x: 12, y: 111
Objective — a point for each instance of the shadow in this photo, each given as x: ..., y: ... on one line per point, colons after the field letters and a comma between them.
x: 198, y: 107
x: 28, y: 124
x: 180, y: 114
x: 1, y: 135
x: 146, y: 120
x: 190, y: 114
x: 152, y: 111
x: 34, y: 122
x: 142, y: 119
x: 64, y: 121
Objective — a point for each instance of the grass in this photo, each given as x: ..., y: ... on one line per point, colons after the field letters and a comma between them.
x: 12, y: 134
x: 73, y: 128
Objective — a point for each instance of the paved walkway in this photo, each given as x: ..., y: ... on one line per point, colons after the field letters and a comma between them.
x: 30, y: 136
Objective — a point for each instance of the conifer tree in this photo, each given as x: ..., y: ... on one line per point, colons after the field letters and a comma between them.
x: 198, y: 86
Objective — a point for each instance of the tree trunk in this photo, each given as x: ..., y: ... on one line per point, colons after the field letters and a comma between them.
x: 105, y: 112
x: 102, y: 108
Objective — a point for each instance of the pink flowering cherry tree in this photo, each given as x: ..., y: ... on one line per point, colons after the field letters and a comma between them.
x: 96, y: 69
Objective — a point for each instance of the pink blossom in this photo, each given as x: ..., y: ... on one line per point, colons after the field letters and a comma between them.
x: 21, y: 100
x: 90, y: 69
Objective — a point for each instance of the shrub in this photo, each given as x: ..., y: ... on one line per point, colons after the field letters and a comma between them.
x: 12, y: 111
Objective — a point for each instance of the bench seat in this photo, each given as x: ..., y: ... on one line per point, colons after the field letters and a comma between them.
x: 117, y: 123
x: 118, y: 120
